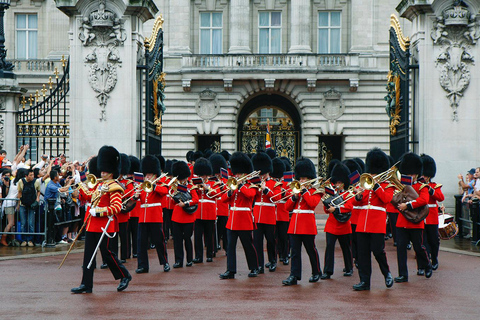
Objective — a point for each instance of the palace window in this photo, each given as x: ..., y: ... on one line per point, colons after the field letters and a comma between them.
x: 211, y: 32
x: 329, y: 26
x: 270, y: 32
x: 26, y: 27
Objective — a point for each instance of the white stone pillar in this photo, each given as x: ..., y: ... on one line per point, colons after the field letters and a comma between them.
x: 179, y: 20
x: 240, y: 27
x: 300, y: 26
x: 361, y: 26
x: 9, y: 94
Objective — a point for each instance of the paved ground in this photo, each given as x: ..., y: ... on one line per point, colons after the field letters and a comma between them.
x: 34, y: 288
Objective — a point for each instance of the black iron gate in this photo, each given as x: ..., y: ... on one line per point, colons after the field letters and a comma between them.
x: 154, y: 89
x: 43, y: 121
x: 398, y: 90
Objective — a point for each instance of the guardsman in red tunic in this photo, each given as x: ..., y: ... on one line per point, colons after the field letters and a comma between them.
x: 206, y: 213
x: 407, y: 231
x: 264, y: 212
x: 218, y: 162
x: 430, y: 235
x: 354, y: 217
x: 371, y: 224
x: 169, y: 203
x: 392, y: 212
x: 303, y: 227
x: 133, y: 214
x: 335, y: 229
x: 281, y: 213
x: 124, y: 216
x: 151, y: 216
x: 183, y: 221
x: 106, y: 202
x: 240, y: 222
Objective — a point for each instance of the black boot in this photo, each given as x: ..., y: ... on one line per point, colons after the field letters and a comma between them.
x: 290, y: 281
x: 227, y: 275
x: 81, y: 289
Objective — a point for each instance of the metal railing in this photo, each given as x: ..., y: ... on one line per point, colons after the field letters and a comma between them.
x: 467, y: 218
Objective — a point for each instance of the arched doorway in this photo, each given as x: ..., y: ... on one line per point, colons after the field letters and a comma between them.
x: 277, y: 112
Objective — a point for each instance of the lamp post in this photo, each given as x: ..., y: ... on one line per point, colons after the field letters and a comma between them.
x: 5, y: 67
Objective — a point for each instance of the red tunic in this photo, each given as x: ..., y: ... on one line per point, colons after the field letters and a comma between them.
x: 372, y: 217
x: 151, y: 205
x: 422, y: 200
x: 128, y: 185
x: 240, y: 215
x: 282, y: 212
x: 435, y: 195
x: 180, y: 216
x: 264, y: 209
x: 335, y: 227
x: 303, y: 217
x: 207, y: 207
x: 222, y: 207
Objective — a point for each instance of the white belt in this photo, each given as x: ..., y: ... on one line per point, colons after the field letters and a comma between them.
x: 266, y: 204
x: 356, y: 207
x: 282, y: 202
x: 149, y: 205
x: 372, y: 207
x: 206, y: 200
x: 302, y: 211
x: 240, y: 209
x: 432, y: 205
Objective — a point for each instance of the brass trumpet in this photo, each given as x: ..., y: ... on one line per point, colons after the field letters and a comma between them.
x: 91, y: 182
x: 233, y: 183
x: 296, y: 187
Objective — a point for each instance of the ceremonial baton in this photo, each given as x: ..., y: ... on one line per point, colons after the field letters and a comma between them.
x: 104, y: 232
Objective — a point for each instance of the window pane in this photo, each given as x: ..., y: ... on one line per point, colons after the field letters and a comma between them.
x: 21, y: 21
x: 205, y: 41
x: 204, y: 19
x: 217, y: 41
x: 21, y: 45
x: 263, y: 19
x: 32, y: 21
x: 335, y: 19
x: 276, y: 19
x: 217, y: 19
x: 276, y: 41
x: 323, y: 41
x: 335, y: 41
x: 323, y: 19
x: 32, y: 44
x: 263, y: 41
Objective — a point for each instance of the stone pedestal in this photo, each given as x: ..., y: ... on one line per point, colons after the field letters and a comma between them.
x: 9, y: 97
x: 301, y: 24
x: 240, y: 31
x: 105, y: 39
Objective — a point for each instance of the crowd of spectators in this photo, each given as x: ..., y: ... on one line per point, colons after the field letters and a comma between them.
x: 26, y: 189
x: 469, y: 187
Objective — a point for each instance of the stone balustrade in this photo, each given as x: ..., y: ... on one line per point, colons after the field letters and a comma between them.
x: 42, y: 66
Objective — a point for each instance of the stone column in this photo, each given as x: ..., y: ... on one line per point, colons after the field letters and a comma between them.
x: 9, y: 95
x: 180, y: 21
x: 300, y: 26
x: 104, y: 95
x: 362, y: 37
x: 240, y: 27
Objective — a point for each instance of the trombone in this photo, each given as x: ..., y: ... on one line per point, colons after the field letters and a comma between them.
x: 296, y: 187
x: 233, y: 183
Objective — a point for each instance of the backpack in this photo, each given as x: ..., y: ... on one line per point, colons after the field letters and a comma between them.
x: 29, y: 194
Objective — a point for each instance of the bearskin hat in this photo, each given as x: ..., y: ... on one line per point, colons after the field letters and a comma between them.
x: 240, y: 163
x: 150, y: 164
x: 429, y: 166
x: 93, y: 167
x: 124, y: 164
x: 391, y: 162
x: 189, y: 156
x: 352, y: 166
x: 261, y: 161
x: 168, y: 167
x: 411, y: 164
x: 361, y: 164
x: 271, y: 153
x: 331, y: 164
x: 162, y: 161
x: 376, y: 161
x: 197, y: 154
x: 108, y: 160
x: 207, y: 153
x: 226, y: 155
x: 278, y: 168
x: 340, y: 173
x: 181, y: 170
x: 202, y: 167
x: 134, y: 164
x: 217, y: 161
x: 304, y: 167
x: 288, y: 165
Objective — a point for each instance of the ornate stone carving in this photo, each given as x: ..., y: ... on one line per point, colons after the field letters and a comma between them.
x: 456, y: 30
x: 207, y: 106
x: 332, y: 105
x: 103, y: 31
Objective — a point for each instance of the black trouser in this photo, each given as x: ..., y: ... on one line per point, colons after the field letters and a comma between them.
x: 368, y: 243
x: 182, y: 233
x: 416, y: 237
x: 51, y: 221
x: 116, y: 267
x: 308, y: 241
x: 344, y: 241
x: 167, y: 222
x: 133, y: 231
x: 432, y: 238
x: 124, y: 246
x: 152, y: 231
x: 112, y: 246
x: 267, y: 230
x: 282, y: 239
x: 392, y: 218
x: 204, y: 229
x: 222, y: 231
x: 246, y: 238
x: 354, y: 242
